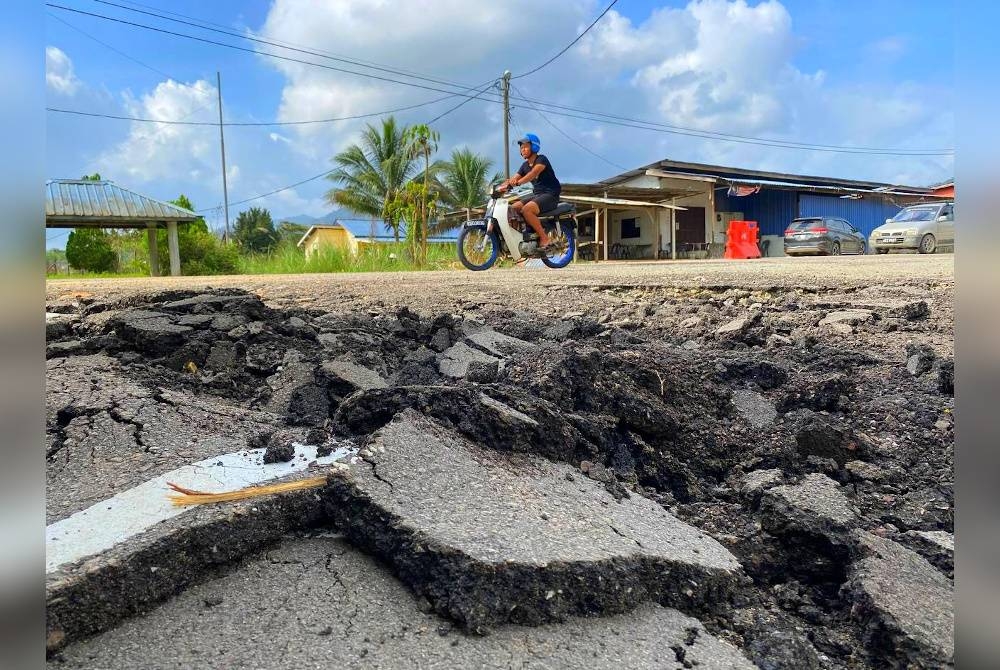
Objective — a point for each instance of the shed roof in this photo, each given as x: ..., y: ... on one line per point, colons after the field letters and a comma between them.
x: 726, y: 174
x: 80, y: 203
x: 604, y: 190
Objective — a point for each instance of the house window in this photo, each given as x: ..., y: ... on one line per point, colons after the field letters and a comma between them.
x: 630, y: 228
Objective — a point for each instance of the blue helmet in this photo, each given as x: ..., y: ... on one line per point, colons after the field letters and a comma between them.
x: 531, y: 139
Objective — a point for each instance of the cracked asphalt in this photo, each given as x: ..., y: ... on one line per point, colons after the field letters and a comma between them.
x: 761, y: 446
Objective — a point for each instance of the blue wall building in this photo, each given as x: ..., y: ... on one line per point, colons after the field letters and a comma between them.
x: 707, y: 197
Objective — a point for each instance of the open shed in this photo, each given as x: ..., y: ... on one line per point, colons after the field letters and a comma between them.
x: 80, y: 203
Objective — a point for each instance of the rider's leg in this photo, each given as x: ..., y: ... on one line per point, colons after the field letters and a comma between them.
x: 516, y: 206
x: 530, y: 214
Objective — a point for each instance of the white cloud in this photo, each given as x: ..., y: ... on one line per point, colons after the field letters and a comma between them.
x: 730, y: 67
x: 481, y: 39
x: 59, y: 76
x: 713, y: 65
x: 158, y: 151
x: 890, y: 48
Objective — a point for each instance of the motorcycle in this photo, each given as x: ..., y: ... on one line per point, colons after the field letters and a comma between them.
x: 502, y: 232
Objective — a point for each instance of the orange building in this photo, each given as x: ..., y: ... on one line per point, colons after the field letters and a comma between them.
x: 945, y: 189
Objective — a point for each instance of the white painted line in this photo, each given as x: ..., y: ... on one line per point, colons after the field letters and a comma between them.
x: 102, y: 526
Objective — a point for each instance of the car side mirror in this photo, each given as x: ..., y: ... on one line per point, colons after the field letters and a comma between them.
x: 888, y: 220
x: 943, y: 217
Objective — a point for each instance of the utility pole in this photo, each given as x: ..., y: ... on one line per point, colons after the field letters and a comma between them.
x: 222, y: 144
x: 506, y: 121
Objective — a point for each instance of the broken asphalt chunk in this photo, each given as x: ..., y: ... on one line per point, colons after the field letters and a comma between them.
x: 904, y: 603
x: 815, y: 506
x: 463, y: 526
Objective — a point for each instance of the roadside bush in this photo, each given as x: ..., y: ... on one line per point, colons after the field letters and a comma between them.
x: 90, y: 250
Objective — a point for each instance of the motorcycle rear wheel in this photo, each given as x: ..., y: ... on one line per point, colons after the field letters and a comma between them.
x: 563, y: 256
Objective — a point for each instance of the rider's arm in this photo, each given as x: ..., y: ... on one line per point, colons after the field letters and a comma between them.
x: 531, y: 175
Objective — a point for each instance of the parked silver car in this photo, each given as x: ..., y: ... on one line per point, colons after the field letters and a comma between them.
x: 925, y: 227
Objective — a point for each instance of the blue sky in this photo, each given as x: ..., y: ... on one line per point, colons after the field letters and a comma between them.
x: 835, y: 73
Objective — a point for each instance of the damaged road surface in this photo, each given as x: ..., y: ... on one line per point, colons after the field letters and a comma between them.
x: 660, y: 475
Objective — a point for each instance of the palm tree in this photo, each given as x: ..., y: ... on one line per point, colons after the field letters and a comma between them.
x: 423, y: 141
x: 370, y: 174
x: 466, y: 182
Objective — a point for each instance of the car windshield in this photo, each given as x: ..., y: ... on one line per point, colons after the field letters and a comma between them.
x: 806, y: 224
x: 916, y: 214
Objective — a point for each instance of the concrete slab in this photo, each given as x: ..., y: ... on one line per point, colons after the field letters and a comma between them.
x: 757, y: 410
x: 101, y: 526
x: 93, y: 594
x: 106, y: 433
x: 498, y: 344
x: 816, y: 506
x: 851, y: 317
x: 319, y: 602
x: 454, y: 361
x: 905, y: 603
x: 491, y: 537
x: 346, y: 377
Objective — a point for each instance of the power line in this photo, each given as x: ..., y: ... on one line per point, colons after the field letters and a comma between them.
x: 256, y: 123
x: 571, y: 139
x: 256, y: 52
x: 444, y: 114
x: 712, y: 134
x: 551, y: 107
x: 568, y: 46
x: 219, y: 28
x: 277, y: 190
x: 108, y: 46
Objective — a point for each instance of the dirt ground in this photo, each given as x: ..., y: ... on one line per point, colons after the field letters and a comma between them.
x: 799, y: 412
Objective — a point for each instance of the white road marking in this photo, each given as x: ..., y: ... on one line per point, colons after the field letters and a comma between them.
x: 102, y: 526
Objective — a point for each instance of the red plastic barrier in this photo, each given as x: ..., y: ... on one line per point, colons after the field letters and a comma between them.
x: 741, y: 240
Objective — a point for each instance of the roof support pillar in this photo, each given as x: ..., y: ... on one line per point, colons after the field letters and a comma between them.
x: 154, y: 251
x: 174, y: 248
x: 673, y: 230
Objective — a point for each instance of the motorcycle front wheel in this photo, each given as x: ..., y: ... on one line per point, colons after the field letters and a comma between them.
x: 478, y: 248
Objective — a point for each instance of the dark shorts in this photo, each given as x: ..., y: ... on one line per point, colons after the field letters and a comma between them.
x: 545, y: 201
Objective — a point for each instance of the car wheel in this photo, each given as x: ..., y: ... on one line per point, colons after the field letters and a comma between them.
x: 927, y: 244
x: 835, y: 250
x: 863, y: 249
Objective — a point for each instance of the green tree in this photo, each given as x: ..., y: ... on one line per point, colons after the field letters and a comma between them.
x: 466, y: 180
x: 91, y: 177
x: 370, y: 174
x: 201, y: 252
x: 422, y: 141
x: 290, y: 233
x: 90, y: 249
x: 254, y: 230
x: 413, y: 206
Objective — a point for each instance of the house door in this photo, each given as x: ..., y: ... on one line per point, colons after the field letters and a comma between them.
x: 690, y: 227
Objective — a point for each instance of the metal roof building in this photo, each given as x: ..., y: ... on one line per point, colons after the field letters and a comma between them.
x: 80, y: 203
x: 706, y: 197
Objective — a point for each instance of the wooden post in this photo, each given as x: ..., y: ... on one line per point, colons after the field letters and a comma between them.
x: 174, y: 248
x: 673, y: 230
x: 654, y: 214
x: 154, y: 251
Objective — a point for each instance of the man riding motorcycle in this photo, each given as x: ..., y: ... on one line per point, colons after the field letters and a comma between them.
x: 545, y: 187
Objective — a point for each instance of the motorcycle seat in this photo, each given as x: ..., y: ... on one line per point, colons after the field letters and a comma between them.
x: 558, y: 210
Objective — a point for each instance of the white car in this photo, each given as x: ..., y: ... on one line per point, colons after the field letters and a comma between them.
x: 925, y: 227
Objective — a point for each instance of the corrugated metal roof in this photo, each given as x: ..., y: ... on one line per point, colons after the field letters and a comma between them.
x: 94, y: 201
x: 732, y: 173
